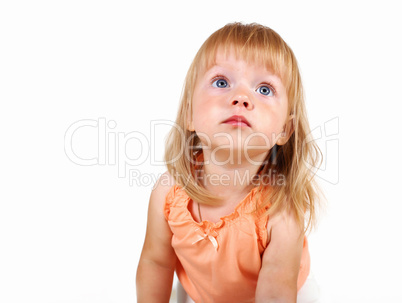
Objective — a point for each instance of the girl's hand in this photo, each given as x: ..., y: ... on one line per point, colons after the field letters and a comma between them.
x: 277, y: 280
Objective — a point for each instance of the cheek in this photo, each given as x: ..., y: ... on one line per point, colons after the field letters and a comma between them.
x: 205, y: 111
x: 200, y: 115
x: 278, y: 117
x: 265, y: 138
x: 277, y: 127
x: 269, y: 132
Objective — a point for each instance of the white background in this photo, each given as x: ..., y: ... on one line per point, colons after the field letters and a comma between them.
x: 73, y: 233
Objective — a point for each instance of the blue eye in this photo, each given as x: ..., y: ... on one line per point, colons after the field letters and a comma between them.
x: 220, y: 83
x: 264, y: 90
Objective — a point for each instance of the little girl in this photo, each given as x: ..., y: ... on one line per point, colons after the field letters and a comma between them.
x: 230, y: 214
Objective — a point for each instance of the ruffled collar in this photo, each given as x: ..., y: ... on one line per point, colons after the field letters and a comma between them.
x: 247, y: 205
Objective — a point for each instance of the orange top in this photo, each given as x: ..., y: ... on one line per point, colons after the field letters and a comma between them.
x: 220, y: 262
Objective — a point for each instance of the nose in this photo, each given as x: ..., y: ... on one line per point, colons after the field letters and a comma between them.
x: 242, y: 99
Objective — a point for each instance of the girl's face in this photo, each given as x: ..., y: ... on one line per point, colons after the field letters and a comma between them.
x: 239, y: 105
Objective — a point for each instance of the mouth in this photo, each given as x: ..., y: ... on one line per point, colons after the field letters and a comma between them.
x: 237, y: 121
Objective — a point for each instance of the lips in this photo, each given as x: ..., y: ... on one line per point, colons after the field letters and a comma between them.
x: 237, y: 121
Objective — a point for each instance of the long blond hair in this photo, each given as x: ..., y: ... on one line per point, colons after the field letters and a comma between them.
x: 254, y: 43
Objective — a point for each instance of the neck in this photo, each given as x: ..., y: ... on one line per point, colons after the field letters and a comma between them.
x: 229, y: 175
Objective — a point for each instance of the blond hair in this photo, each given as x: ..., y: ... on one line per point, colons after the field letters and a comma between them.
x: 258, y: 44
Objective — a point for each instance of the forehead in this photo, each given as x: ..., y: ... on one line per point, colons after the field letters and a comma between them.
x: 233, y: 59
x: 230, y: 55
x: 229, y: 60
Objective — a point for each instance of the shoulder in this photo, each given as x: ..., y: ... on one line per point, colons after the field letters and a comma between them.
x: 157, y: 226
x: 158, y: 232
x: 159, y: 192
x: 284, y: 223
x: 163, y: 185
x: 283, y: 253
x: 282, y: 257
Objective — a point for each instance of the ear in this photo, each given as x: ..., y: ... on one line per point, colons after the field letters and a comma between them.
x: 190, y: 124
x: 288, y: 130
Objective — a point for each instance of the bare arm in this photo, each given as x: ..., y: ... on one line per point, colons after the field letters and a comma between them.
x: 158, y: 259
x: 277, y: 281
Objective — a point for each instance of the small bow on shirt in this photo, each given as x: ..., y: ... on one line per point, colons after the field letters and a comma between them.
x: 207, y: 236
